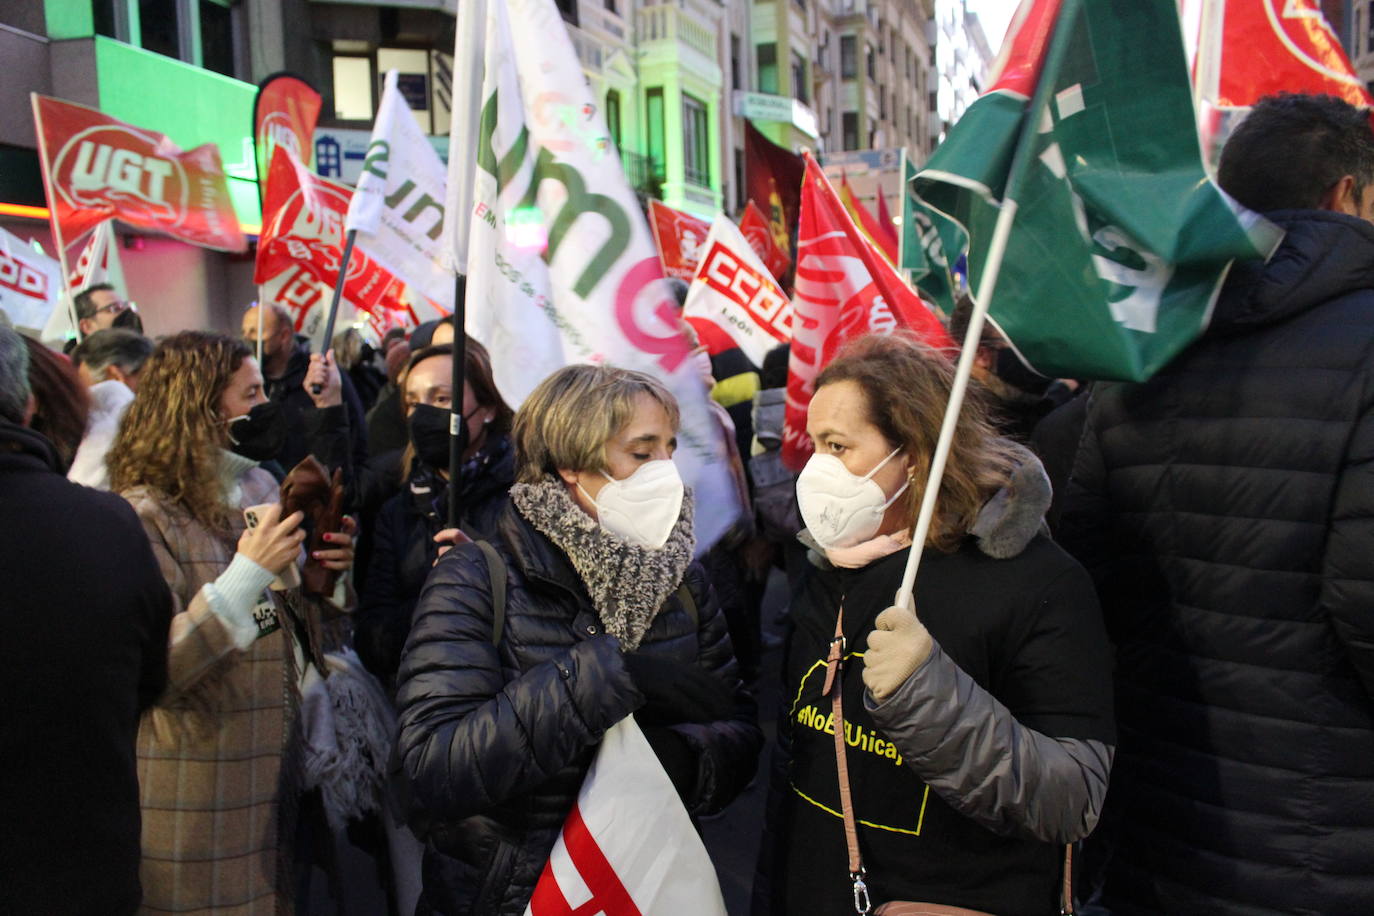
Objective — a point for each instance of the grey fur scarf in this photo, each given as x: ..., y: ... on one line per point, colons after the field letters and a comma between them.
x: 627, y: 583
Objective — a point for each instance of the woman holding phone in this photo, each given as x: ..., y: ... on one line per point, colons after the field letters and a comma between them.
x: 219, y: 753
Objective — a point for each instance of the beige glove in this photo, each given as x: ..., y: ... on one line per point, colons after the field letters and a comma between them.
x: 896, y: 649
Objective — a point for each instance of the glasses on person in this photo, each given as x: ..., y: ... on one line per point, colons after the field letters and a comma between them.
x: 114, y: 308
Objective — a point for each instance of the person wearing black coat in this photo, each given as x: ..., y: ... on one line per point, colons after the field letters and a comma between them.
x: 84, y: 616
x: 412, y: 524
x: 331, y: 425
x: 605, y: 616
x: 977, y: 721
x: 1226, y: 510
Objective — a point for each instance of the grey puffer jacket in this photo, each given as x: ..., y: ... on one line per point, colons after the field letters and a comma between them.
x: 967, y: 745
x: 496, y: 739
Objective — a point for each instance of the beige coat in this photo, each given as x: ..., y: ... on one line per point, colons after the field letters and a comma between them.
x: 218, y: 803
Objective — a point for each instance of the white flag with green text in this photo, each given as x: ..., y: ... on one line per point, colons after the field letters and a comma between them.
x: 398, y: 206
x: 562, y: 268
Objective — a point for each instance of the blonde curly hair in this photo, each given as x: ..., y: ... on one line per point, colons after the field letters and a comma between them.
x: 170, y: 437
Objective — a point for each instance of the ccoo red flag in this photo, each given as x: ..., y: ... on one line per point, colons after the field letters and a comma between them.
x: 679, y: 237
x: 97, y: 168
x: 844, y: 289
x: 303, y: 225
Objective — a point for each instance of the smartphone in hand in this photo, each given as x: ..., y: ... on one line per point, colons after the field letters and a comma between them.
x: 291, y: 578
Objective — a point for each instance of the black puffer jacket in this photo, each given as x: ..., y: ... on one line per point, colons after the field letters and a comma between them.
x: 1226, y: 508
x: 403, y: 549
x: 496, y: 739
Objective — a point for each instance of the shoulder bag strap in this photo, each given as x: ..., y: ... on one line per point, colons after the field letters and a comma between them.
x: 496, y: 568
x: 834, y: 664
x: 1066, y: 891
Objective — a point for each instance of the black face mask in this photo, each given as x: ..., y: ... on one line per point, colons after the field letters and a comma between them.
x: 429, y: 434
x: 1011, y: 370
x: 260, y: 434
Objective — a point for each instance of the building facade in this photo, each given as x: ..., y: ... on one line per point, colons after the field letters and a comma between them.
x: 962, y: 56
x: 675, y: 79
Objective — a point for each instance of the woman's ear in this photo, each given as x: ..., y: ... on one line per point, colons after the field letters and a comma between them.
x: 569, y: 476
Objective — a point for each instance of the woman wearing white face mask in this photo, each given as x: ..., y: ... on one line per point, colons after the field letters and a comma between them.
x: 605, y: 615
x: 978, y: 730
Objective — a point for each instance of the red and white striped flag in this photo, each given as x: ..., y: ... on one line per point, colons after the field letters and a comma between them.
x: 628, y: 847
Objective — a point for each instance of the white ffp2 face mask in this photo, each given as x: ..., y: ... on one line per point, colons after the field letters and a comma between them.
x: 644, y: 507
x: 842, y: 509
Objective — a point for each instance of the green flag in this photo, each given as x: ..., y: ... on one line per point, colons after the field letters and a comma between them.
x: 1119, y: 242
x: 931, y: 241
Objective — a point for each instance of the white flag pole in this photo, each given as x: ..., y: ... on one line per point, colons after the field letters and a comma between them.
x: 469, y: 72
x: 469, y: 68
x: 987, y: 284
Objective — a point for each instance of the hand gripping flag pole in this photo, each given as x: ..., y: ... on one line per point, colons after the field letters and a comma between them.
x: 333, y: 302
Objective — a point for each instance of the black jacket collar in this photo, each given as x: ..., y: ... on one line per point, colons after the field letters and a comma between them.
x: 1323, y: 255
x: 538, y: 557
x: 22, y: 447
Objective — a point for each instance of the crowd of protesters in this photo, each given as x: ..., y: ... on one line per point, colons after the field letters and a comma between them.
x: 250, y: 666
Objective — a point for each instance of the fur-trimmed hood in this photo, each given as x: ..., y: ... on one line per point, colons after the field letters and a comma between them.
x: 1016, y: 513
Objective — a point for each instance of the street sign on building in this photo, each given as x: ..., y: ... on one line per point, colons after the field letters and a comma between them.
x: 759, y: 106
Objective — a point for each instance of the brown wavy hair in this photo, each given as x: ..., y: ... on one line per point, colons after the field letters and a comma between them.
x: 61, y: 402
x: 170, y: 437
x: 906, y: 384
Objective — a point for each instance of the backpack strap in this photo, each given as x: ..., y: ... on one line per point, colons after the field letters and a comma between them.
x: 496, y: 568
x: 689, y: 603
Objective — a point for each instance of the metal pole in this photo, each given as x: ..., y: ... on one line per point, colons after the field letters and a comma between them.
x: 460, y: 348
x: 334, y: 302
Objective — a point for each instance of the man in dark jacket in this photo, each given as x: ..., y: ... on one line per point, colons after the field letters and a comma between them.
x: 1226, y: 508
x: 330, y: 425
x: 84, y: 613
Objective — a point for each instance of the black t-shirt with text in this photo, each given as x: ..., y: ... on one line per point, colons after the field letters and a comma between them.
x: 1029, y: 631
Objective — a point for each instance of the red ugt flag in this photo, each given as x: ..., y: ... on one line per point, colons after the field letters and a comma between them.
x: 844, y: 289
x: 303, y: 225
x: 97, y: 168
x: 284, y: 114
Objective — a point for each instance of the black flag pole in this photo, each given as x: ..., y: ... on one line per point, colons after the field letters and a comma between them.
x: 334, y: 302
x: 460, y: 360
